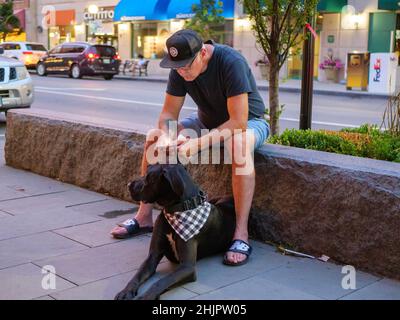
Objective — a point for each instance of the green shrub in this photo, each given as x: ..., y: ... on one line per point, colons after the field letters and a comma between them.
x: 366, y: 141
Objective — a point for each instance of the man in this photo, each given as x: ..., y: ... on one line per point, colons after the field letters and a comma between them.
x: 220, y: 82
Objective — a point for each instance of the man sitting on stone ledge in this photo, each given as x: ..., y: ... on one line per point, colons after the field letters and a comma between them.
x: 219, y: 80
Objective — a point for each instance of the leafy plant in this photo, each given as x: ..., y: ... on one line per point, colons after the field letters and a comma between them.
x: 366, y: 141
x: 206, y: 16
x: 8, y: 21
x: 278, y: 26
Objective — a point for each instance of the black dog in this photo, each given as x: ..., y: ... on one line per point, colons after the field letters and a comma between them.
x: 172, y: 188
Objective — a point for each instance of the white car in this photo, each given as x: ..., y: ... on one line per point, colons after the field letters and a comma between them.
x: 29, y: 53
x: 16, y: 86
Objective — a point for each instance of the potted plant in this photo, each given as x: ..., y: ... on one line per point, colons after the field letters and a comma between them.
x: 263, y: 64
x: 331, y: 67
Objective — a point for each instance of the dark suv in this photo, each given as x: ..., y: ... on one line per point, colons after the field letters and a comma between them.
x: 79, y: 59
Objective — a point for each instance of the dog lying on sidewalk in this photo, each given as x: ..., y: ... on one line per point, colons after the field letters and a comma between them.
x: 189, y: 228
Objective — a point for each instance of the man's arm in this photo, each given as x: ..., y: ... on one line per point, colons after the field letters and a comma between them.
x: 238, y: 109
x: 170, y: 112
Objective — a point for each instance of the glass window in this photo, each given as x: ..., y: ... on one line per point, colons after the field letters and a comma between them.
x: 35, y: 47
x: 149, y: 39
x: 103, y: 51
x: 55, y: 50
x: 11, y: 46
x: 61, y: 34
x: 72, y: 49
x: 224, y: 33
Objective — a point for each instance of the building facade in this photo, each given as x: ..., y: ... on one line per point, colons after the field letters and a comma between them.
x: 141, y: 28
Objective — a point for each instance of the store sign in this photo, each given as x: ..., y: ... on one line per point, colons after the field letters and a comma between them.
x: 377, y: 69
x: 132, y: 18
x: 382, y: 73
x: 104, y: 14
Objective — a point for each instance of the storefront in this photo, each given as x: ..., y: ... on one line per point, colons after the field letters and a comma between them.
x: 64, y: 28
x: 152, y: 24
x: 100, y: 27
x: 84, y: 21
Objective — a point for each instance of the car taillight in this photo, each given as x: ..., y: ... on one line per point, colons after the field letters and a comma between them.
x: 27, y: 52
x: 117, y: 57
x: 92, y: 56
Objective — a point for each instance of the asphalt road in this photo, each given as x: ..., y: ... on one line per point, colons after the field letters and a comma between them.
x: 139, y: 103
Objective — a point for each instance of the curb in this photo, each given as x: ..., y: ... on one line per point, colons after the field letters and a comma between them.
x: 281, y: 89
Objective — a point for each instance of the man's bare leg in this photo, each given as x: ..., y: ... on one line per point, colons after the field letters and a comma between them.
x: 243, y: 184
x: 145, y: 211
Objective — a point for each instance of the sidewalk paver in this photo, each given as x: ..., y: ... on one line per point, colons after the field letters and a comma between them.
x: 212, y: 274
x: 256, y: 288
x: 34, y: 247
x: 25, y: 282
x: 101, y: 262
x: 39, y: 221
x: 320, y: 279
x: 106, y: 289
x: 384, y: 289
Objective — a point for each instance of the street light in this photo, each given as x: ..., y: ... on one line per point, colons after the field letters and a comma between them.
x: 93, y: 9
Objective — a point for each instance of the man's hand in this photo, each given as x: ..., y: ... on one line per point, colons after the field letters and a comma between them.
x: 169, y: 145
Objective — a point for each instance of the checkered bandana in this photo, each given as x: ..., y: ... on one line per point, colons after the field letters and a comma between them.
x: 189, y: 223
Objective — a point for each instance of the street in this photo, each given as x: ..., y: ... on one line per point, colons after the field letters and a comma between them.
x: 138, y: 103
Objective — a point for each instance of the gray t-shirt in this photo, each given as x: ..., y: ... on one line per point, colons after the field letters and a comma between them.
x: 228, y: 74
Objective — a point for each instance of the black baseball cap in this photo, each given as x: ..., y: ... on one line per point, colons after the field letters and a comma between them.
x: 182, y: 48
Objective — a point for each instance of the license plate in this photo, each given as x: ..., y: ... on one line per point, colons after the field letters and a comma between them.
x: 106, y: 61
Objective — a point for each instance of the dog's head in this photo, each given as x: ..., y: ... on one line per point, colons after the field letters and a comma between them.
x: 164, y: 184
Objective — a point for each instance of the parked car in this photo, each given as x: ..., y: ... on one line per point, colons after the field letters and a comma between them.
x: 29, y: 53
x: 16, y: 87
x: 78, y: 59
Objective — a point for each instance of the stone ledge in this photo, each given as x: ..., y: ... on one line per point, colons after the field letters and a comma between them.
x: 319, y: 203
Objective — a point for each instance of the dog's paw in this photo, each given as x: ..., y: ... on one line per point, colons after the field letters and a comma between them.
x: 126, y: 294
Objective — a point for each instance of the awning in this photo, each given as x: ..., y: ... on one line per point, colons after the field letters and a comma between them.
x: 183, y: 9
x: 162, y: 9
x: 20, y: 14
x: 389, y: 4
x: 141, y: 10
x: 331, y: 5
x: 65, y: 17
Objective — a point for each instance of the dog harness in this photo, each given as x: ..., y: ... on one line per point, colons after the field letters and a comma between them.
x: 189, y: 223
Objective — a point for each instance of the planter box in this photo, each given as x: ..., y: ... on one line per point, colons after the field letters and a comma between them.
x: 332, y: 75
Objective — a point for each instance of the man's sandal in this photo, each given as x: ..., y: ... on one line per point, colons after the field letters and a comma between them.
x: 238, y: 246
x: 132, y: 229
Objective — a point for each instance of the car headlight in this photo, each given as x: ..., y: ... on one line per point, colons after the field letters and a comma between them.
x: 22, y: 73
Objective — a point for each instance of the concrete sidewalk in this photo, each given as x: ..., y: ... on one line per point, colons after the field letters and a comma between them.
x: 44, y: 222
x: 294, y: 86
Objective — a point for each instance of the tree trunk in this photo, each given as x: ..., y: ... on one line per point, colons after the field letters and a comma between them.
x: 274, y: 98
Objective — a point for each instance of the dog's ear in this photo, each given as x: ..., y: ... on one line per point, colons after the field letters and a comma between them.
x: 135, y: 189
x: 176, y: 178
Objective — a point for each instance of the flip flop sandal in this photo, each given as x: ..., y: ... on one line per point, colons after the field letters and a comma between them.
x: 238, y: 246
x: 133, y: 229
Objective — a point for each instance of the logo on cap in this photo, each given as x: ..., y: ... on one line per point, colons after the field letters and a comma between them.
x: 173, y: 52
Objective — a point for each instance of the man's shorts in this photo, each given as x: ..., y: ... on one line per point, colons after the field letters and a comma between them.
x: 260, y: 127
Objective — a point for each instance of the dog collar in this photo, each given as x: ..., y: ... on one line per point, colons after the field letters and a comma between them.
x: 188, y: 204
